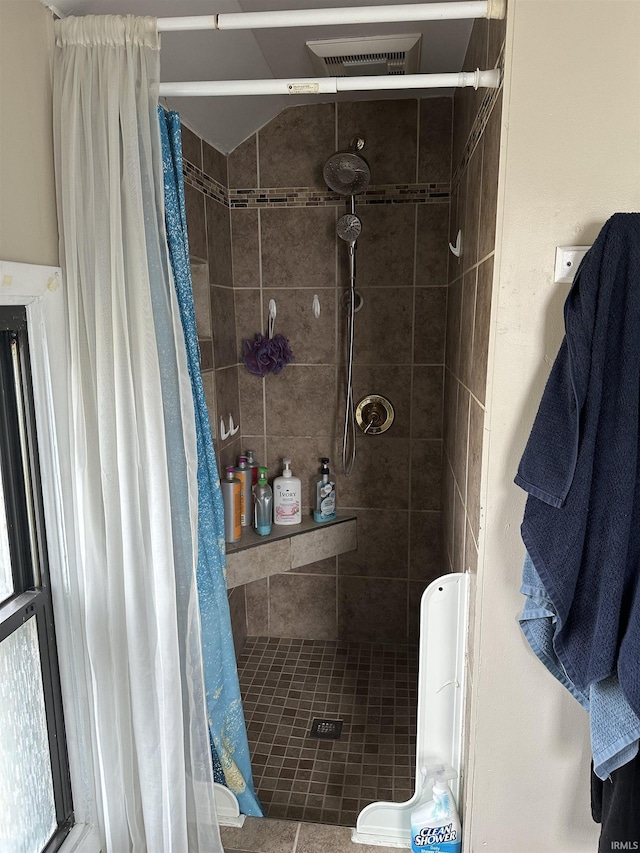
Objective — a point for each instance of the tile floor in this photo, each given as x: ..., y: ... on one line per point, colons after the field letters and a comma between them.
x: 372, y: 687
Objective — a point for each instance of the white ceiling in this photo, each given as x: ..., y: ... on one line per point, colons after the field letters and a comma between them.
x: 260, y: 54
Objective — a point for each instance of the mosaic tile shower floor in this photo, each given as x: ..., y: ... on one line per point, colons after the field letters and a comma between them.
x: 372, y: 687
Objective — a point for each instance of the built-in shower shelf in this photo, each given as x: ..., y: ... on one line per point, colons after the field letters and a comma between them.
x: 286, y: 548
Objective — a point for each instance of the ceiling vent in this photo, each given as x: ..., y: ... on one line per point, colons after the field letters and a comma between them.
x: 359, y: 57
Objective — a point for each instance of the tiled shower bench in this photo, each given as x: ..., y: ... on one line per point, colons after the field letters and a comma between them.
x: 288, y: 547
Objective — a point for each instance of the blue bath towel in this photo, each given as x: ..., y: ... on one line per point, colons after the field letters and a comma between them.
x: 580, y: 467
x: 615, y: 729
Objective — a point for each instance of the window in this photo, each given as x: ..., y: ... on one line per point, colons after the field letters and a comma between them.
x: 36, y: 811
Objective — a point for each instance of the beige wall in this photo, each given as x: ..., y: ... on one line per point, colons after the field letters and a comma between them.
x: 28, y: 224
x: 571, y: 131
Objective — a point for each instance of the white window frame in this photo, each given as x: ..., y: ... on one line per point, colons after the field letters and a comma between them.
x: 40, y: 290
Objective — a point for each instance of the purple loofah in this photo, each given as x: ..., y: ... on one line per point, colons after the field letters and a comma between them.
x: 267, y: 355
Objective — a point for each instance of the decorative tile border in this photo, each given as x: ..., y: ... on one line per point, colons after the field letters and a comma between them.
x: 311, y: 197
x: 270, y: 197
x: 196, y: 178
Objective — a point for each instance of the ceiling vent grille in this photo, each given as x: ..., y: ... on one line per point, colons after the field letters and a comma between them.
x: 359, y: 57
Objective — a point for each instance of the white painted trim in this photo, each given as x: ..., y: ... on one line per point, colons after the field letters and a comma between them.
x: 82, y: 839
x: 41, y: 290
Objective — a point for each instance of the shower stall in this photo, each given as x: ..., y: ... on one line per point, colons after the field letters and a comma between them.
x: 335, y: 640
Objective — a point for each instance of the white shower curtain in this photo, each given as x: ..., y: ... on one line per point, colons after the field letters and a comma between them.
x: 131, y: 444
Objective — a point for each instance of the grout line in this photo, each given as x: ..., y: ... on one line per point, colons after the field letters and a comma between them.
x: 412, y: 403
x: 268, y: 608
x: 262, y: 323
x: 417, y: 140
x: 258, y: 157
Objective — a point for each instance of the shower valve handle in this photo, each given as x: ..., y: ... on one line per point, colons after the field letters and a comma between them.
x: 374, y: 419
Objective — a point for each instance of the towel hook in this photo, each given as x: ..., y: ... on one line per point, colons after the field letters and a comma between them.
x: 273, y: 310
x: 233, y: 429
x: 457, y: 249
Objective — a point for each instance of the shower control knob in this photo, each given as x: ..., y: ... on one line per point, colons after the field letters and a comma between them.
x: 374, y: 414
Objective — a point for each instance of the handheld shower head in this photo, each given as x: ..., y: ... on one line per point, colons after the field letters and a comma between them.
x: 349, y: 227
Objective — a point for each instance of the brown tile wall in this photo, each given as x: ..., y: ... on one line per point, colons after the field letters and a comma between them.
x: 476, y: 144
x: 474, y: 193
x: 209, y: 226
x: 262, y: 226
x: 289, y: 251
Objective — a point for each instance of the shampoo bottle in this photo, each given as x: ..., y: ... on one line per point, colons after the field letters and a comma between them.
x: 231, y: 499
x: 262, y: 504
x: 287, y: 497
x: 325, y: 509
x: 243, y: 473
x: 435, y: 825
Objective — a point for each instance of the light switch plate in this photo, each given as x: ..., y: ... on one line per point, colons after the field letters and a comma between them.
x: 567, y: 262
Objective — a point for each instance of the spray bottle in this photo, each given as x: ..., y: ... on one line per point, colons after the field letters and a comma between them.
x: 435, y: 825
x: 262, y: 504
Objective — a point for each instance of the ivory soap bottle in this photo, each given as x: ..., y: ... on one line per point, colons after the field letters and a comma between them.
x: 287, y: 493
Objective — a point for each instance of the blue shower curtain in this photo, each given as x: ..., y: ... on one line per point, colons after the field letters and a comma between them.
x: 227, y: 729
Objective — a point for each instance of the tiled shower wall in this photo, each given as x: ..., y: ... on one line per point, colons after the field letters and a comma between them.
x: 476, y: 144
x: 208, y: 220
x: 284, y: 246
x: 209, y: 226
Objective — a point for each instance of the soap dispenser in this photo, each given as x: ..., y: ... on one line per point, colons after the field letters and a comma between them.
x: 325, y: 509
x: 287, y: 492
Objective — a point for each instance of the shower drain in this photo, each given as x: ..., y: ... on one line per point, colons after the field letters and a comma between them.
x: 327, y: 729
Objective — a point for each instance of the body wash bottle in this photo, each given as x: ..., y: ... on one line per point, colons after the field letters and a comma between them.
x: 287, y: 497
x: 231, y: 499
x: 243, y: 473
x: 262, y: 504
x: 325, y: 509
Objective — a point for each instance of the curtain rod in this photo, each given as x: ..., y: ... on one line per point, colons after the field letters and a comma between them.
x: 326, y: 17
x: 331, y: 85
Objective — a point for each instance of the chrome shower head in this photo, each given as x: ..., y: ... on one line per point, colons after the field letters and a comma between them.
x: 347, y: 172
